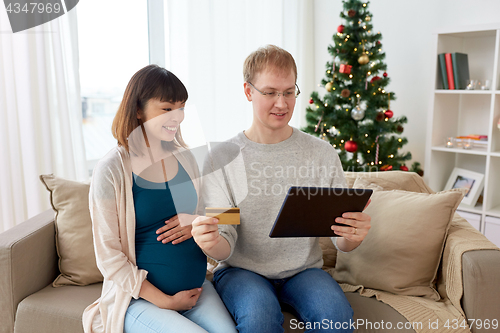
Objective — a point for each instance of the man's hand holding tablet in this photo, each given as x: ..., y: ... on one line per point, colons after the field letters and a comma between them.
x: 357, y: 226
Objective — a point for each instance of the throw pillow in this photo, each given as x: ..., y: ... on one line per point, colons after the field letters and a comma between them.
x: 329, y: 252
x: 403, y: 248
x: 74, y: 240
x: 327, y: 247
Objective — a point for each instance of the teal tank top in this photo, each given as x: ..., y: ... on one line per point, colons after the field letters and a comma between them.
x: 171, y: 268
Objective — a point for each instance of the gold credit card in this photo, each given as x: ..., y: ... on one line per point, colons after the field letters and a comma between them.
x: 225, y: 215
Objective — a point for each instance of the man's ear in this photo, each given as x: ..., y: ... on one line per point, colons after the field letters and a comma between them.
x: 248, y: 91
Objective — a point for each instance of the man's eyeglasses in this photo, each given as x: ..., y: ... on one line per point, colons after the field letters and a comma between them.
x: 289, y: 94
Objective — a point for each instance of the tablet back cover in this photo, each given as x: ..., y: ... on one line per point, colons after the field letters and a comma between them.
x: 311, y: 211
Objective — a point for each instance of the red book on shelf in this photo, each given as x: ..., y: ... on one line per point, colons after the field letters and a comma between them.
x: 449, y: 71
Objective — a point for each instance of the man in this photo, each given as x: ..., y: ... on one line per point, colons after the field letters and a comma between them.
x: 258, y: 274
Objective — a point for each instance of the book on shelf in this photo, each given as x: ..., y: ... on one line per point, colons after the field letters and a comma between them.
x: 477, y: 137
x: 479, y: 141
x: 442, y: 75
x: 460, y: 64
x: 449, y: 71
x: 453, y: 70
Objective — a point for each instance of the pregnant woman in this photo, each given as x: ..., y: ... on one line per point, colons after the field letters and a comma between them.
x: 148, y: 180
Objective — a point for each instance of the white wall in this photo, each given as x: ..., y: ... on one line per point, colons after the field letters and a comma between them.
x: 407, y: 28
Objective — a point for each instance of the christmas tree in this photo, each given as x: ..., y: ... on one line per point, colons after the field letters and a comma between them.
x: 354, y: 114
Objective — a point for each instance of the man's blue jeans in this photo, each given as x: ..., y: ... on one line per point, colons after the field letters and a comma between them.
x: 255, y: 301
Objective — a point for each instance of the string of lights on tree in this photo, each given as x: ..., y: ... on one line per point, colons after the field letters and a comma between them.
x: 354, y: 114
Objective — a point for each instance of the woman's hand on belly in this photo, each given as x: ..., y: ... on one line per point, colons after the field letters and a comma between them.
x: 173, y: 231
x: 184, y: 300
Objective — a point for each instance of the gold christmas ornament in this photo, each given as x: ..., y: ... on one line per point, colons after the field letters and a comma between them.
x: 329, y: 86
x: 363, y: 60
x: 368, y: 18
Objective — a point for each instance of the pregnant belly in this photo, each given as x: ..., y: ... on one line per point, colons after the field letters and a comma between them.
x: 172, y: 268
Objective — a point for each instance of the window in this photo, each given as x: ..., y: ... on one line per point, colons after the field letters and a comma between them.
x: 113, y: 45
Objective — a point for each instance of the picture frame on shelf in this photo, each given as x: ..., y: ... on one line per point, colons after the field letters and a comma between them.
x: 470, y: 180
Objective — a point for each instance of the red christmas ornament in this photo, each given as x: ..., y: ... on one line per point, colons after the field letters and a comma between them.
x: 375, y: 78
x: 378, y: 42
x: 403, y: 168
x: 380, y: 116
x: 311, y: 101
x: 340, y: 28
x: 344, y: 68
x: 385, y: 74
x: 388, y: 114
x: 351, y: 146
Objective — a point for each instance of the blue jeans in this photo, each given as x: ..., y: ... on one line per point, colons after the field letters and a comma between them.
x: 208, y: 315
x: 255, y: 301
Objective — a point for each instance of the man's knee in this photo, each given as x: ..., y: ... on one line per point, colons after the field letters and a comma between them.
x: 250, y: 299
x: 259, y: 318
x: 336, y: 313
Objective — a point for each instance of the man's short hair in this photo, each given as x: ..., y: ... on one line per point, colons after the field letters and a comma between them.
x: 269, y: 56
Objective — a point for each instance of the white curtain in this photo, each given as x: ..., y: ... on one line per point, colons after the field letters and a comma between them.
x: 209, y: 41
x: 40, y: 112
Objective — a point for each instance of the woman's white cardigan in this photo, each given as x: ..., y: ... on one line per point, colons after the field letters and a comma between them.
x: 113, y: 224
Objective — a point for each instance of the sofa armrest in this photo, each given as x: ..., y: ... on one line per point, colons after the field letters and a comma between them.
x: 481, y: 297
x: 469, y: 273
x: 29, y: 260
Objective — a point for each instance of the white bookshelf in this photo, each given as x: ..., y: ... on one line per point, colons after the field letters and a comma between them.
x: 461, y: 112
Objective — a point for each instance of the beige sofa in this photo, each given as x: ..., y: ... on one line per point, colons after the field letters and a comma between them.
x: 29, y: 264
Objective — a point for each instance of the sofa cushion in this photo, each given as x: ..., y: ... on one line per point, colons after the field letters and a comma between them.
x: 372, y: 316
x: 74, y: 240
x: 55, y: 309
x: 366, y: 183
x: 402, y: 250
x: 391, y: 180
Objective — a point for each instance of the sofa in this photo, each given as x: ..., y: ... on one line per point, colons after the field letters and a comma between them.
x: 29, y: 264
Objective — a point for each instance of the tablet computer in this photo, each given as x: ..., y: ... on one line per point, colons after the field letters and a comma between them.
x: 311, y: 211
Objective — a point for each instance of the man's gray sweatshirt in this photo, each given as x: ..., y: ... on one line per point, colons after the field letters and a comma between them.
x: 259, y: 176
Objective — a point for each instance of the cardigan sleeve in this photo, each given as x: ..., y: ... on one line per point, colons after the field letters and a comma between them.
x: 108, y: 213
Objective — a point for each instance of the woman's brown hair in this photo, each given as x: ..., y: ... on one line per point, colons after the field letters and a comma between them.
x: 150, y: 82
